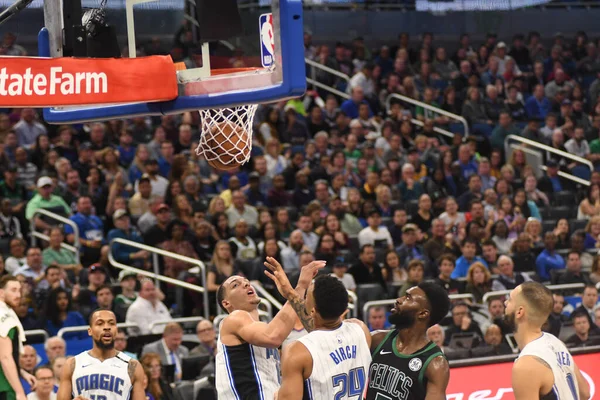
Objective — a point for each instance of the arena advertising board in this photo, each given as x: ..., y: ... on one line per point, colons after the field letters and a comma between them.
x: 492, y: 382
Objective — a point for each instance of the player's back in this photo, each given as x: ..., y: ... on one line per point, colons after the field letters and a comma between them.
x: 246, y: 372
x: 341, y: 360
x: 557, y: 356
x: 101, y: 380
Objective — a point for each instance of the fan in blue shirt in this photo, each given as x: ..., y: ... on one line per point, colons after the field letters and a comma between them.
x: 548, y: 259
x: 469, y: 249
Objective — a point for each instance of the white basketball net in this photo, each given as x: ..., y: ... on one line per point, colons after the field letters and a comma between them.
x: 227, y: 134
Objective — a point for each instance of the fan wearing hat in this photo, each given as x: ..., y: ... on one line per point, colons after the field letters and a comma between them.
x: 159, y: 183
x: 340, y: 271
x: 376, y: 234
x: 410, y: 250
x: 86, y: 296
x: 123, y: 253
x: 127, y: 281
x: 46, y: 200
x: 551, y: 182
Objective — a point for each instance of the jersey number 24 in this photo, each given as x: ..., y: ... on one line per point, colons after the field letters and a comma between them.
x: 349, y: 385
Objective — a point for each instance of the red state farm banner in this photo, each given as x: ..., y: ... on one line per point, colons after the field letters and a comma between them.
x: 493, y: 381
x: 50, y: 82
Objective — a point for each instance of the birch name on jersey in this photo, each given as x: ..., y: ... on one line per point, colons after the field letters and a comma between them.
x: 390, y: 380
x: 96, y: 381
x: 343, y: 353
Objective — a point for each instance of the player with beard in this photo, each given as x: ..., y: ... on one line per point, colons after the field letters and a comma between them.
x: 545, y: 369
x: 12, y: 337
x: 406, y: 365
x: 102, y: 373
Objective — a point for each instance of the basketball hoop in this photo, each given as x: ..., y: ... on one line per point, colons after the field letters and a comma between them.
x: 226, y: 135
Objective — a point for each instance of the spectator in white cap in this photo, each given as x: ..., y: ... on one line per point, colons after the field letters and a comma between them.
x: 44, y: 199
x: 127, y: 280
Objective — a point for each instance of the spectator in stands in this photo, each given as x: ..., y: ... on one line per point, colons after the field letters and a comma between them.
x: 473, y: 192
x: 121, y: 343
x: 12, y: 190
x: 154, y: 223
x: 493, y: 344
x: 340, y: 271
x: 350, y: 106
x: 538, y: 105
x: 242, y: 245
x: 461, y: 323
x: 582, y: 326
x: 578, y: 245
x: 147, y: 309
x: 574, y: 274
x: 105, y: 298
x: 595, y: 270
x: 158, y: 388
x: 207, y: 336
x: 177, y: 244
x: 375, y: 234
x: 366, y: 269
x: 309, y: 238
x: 549, y: 259
x: 58, y: 314
x: 522, y: 254
x: 409, y: 187
x: 392, y: 270
x: 54, y: 254
x: 562, y: 233
x: 124, y: 253
x: 169, y: 348
x: 414, y: 275
x: 504, y: 129
x: 557, y: 318
x: 507, y: 278
x: 240, y: 210
x: 127, y: 281
x: 436, y: 245
x: 46, y: 200
x: 468, y: 250
x: 290, y: 256
x: 55, y: 347
x: 34, y: 268
x: 53, y: 278
x: 592, y: 235
x: 589, y: 301
x: 444, y: 279
x: 139, y: 203
x: 577, y: 145
x: 479, y: 281
x: 91, y: 231
x: 590, y: 205
x: 222, y: 266
x: 26, y: 171
x: 44, y: 384
x: 551, y: 182
x: 377, y: 319
x: 28, y: 128
x: 451, y: 217
x: 17, y: 258
x: 410, y: 250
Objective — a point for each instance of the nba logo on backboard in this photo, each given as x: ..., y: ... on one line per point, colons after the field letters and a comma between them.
x: 267, y: 40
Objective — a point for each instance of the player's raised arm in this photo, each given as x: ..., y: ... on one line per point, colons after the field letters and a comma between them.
x: 65, y: 388
x: 295, y: 362
x: 364, y: 327
x: 295, y: 297
x: 136, y: 374
x: 438, y: 376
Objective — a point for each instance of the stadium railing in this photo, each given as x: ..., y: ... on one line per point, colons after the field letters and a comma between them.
x: 37, y: 332
x: 155, y: 275
x: 181, y: 320
x: 542, y: 147
x: 39, y: 235
x: 553, y: 288
x: 437, y: 110
x: 312, y: 80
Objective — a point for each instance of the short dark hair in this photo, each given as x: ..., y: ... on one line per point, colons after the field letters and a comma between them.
x: 51, y: 266
x: 447, y: 257
x: 489, y: 242
x: 41, y: 367
x: 221, y: 296
x: 364, y: 247
x: 102, y: 287
x: 331, y: 297
x: 580, y: 314
x: 469, y: 240
x: 7, y: 278
x: 439, y: 302
x: 91, y: 317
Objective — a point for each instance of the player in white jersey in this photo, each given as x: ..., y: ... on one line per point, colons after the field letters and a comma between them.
x: 102, y: 373
x: 247, y: 360
x: 545, y: 369
x: 332, y: 361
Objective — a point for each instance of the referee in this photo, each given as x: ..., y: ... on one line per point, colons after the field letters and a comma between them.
x: 12, y: 337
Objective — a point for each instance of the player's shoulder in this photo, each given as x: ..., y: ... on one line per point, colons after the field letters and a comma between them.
x: 529, y: 362
x: 297, y: 352
x: 236, y: 317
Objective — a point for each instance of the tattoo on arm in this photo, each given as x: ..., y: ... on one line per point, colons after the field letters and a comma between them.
x: 131, y: 369
x: 297, y: 304
x: 542, y: 362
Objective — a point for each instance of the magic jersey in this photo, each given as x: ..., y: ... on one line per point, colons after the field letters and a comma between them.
x: 101, y: 380
x: 554, y: 352
x: 341, y: 359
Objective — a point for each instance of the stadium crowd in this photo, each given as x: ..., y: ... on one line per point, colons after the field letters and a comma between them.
x: 387, y: 203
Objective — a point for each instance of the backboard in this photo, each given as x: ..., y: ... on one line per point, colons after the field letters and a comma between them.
x: 259, y: 58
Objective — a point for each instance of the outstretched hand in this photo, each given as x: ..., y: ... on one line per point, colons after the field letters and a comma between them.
x: 308, y: 272
x: 276, y: 273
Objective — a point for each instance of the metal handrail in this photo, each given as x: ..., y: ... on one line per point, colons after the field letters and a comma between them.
x: 325, y: 68
x: 549, y: 149
x: 328, y: 88
x: 83, y: 328
x: 156, y: 276
x: 444, y: 132
x: 552, y: 288
x: 266, y: 295
x: 37, y: 332
x: 571, y: 177
x: 387, y: 302
x: 313, y: 78
x: 426, y: 106
x: 178, y: 320
x: 39, y: 235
